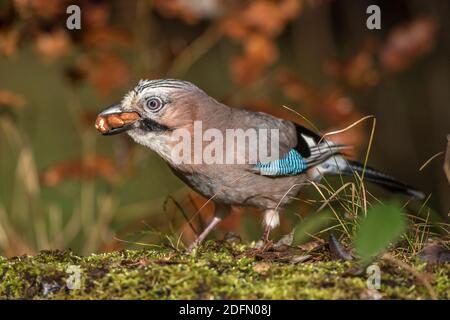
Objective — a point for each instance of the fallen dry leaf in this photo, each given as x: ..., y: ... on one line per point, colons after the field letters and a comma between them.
x: 285, y: 242
x: 435, y: 253
x: 371, y: 294
x: 261, y: 267
x: 232, y: 238
x: 312, y: 245
x: 338, y: 250
x: 300, y: 259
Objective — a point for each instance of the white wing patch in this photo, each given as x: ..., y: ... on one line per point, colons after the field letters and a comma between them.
x: 310, y: 141
x: 333, y: 165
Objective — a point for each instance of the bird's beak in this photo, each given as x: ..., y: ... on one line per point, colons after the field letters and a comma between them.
x: 114, y: 109
x: 114, y: 120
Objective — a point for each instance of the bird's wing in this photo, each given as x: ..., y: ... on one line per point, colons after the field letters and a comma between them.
x: 309, y: 150
x: 298, y: 147
x: 285, y: 130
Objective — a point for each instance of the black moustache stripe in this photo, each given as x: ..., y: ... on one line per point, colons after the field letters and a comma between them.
x: 151, y: 125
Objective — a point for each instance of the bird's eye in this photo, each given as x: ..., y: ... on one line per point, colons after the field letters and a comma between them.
x: 154, y: 104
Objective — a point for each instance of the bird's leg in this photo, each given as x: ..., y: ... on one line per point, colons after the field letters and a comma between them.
x: 221, y: 211
x: 205, y: 233
x: 266, y: 234
x: 264, y: 242
x: 271, y: 221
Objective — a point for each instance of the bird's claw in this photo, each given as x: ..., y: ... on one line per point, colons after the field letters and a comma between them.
x: 264, y: 245
x: 192, y: 246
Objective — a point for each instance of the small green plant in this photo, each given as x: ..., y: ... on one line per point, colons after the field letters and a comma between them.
x: 382, y: 226
x: 311, y: 225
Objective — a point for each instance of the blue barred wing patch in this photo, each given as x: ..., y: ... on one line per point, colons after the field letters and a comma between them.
x: 292, y: 164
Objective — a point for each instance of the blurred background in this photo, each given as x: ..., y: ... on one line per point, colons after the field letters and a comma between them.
x: 63, y: 185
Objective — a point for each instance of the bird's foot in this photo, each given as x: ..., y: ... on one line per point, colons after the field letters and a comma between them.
x: 204, y: 234
x: 264, y: 245
x: 191, y: 247
x: 194, y: 245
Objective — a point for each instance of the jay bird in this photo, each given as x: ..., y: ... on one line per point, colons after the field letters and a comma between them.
x: 165, y: 105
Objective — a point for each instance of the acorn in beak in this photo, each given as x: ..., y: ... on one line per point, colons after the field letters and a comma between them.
x: 113, y: 120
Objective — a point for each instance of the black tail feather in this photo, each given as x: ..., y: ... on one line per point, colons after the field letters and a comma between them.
x: 382, y: 179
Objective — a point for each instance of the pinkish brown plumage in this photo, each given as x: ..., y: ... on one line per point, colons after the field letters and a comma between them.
x: 166, y: 105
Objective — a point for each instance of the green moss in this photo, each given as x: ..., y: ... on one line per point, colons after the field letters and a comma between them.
x: 215, y: 271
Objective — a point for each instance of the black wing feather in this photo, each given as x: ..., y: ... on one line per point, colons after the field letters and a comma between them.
x: 302, y: 145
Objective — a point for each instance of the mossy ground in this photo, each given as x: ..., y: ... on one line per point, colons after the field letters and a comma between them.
x: 218, y: 270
